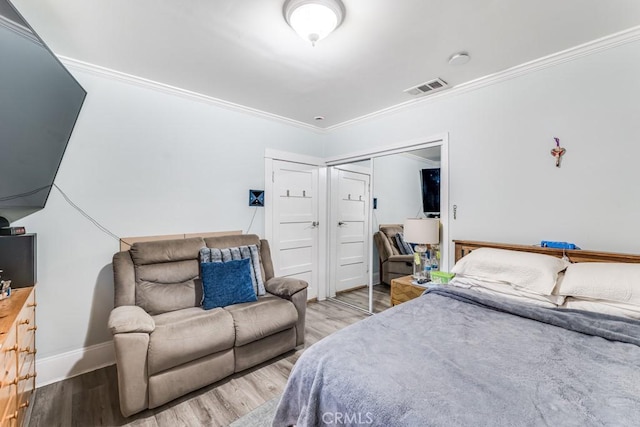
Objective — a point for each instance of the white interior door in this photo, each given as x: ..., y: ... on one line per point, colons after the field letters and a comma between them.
x: 295, y: 222
x: 352, y: 234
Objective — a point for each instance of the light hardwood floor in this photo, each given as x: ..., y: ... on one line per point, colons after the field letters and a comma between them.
x: 360, y: 297
x: 92, y: 399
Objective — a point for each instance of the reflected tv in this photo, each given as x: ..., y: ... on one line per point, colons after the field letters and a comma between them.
x: 430, y: 179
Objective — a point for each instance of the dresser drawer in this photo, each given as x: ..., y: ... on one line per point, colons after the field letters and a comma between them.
x: 17, y: 356
x: 26, y: 351
x: 27, y: 374
x: 26, y: 322
x: 7, y: 397
x: 8, y: 361
x: 10, y: 415
x: 25, y: 395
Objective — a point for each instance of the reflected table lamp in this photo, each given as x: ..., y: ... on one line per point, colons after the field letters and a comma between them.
x: 425, y: 232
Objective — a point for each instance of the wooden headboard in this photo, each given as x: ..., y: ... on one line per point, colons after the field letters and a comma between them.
x: 463, y: 247
x: 126, y: 242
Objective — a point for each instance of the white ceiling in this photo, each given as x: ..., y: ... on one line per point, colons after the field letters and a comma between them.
x: 243, y: 52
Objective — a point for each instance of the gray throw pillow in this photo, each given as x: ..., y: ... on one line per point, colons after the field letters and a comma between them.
x: 403, y: 247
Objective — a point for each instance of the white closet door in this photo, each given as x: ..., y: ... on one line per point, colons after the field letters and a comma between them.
x: 295, y: 222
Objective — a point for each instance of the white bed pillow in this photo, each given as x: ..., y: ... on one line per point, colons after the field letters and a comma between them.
x: 617, y: 282
x: 601, y: 306
x: 536, y: 273
x: 505, y: 290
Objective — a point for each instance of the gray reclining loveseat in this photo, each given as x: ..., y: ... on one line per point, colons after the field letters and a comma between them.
x: 167, y: 345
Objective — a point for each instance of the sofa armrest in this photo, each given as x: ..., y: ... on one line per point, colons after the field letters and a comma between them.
x: 285, y: 287
x: 130, y: 318
x: 294, y: 290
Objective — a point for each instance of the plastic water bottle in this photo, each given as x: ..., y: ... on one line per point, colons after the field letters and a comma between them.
x: 427, y: 271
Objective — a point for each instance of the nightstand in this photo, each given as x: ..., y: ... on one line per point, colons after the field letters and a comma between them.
x: 402, y: 290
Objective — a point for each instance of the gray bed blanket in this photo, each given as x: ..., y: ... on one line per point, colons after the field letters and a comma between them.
x: 454, y: 357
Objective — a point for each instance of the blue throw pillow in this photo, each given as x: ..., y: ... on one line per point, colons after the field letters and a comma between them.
x: 226, y: 283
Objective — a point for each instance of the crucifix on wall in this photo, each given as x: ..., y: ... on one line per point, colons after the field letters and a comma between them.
x: 558, y: 152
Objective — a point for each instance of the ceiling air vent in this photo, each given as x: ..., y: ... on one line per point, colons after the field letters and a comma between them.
x: 428, y: 87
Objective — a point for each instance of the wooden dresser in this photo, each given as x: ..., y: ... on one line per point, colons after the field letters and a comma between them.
x: 17, y: 355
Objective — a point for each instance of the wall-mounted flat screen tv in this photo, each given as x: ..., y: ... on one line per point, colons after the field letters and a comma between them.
x: 39, y: 104
x: 430, y: 179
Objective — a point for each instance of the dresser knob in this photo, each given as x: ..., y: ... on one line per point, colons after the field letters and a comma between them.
x: 12, y: 348
x: 24, y: 405
x: 35, y: 304
x: 26, y: 377
x: 24, y: 322
x: 33, y: 328
x: 10, y: 383
x: 27, y: 349
x: 13, y: 416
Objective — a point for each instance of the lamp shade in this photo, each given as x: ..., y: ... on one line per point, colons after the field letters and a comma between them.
x: 423, y: 231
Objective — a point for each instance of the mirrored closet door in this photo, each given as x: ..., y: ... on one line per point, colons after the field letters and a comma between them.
x: 350, y: 240
x: 370, y: 201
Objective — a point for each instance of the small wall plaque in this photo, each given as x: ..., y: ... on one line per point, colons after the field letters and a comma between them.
x: 256, y: 198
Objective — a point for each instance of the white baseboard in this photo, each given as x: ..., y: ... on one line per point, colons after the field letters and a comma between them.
x: 72, y: 363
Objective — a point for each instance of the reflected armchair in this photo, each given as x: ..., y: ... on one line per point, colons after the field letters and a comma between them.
x: 392, y: 263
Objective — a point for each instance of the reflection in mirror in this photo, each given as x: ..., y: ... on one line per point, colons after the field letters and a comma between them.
x: 350, y: 236
x: 397, y: 189
x: 365, y: 228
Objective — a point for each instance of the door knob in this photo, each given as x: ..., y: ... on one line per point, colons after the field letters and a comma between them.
x: 341, y: 223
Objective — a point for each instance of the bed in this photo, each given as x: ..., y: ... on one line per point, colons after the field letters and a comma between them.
x: 455, y: 356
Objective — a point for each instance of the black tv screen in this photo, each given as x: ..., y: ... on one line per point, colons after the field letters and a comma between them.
x: 39, y: 104
x: 430, y: 179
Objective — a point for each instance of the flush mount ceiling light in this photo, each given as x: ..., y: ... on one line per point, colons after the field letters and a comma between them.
x: 460, y: 58
x: 314, y: 20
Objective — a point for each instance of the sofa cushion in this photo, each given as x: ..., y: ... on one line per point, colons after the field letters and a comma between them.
x: 165, y: 274
x: 185, y: 335
x: 143, y: 253
x: 168, y: 286
x: 256, y: 320
x: 226, y: 283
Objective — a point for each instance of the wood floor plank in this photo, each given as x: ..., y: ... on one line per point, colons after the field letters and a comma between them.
x: 360, y: 297
x: 213, y: 404
x: 92, y: 399
x: 52, y: 406
x: 180, y: 414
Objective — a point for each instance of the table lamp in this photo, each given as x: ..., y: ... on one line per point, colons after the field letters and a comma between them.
x: 425, y: 232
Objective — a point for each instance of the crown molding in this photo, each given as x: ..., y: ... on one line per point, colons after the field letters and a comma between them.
x: 571, y: 54
x: 111, y: 74
x: 19, y: 29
